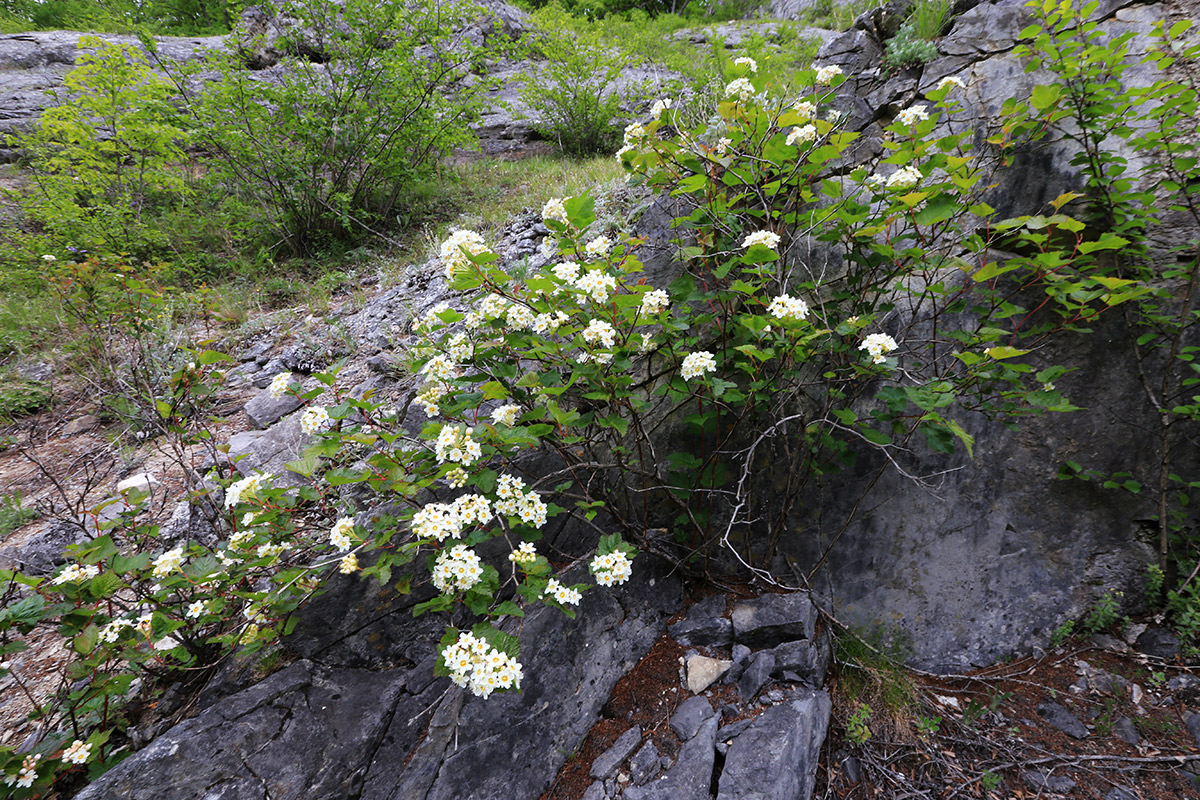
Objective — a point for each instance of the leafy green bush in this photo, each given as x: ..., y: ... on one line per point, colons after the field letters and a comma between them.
x: 574, y: 92
x: 103, y: 160
x: 329, y: 145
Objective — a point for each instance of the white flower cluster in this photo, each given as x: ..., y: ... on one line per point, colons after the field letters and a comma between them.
x: 247, y: 487
x: 429, y: 396
x: 950, y: 80
x: 568, y: 271
x: 554, y: 210
x: 457, y: 569
x: 339, y: 534
x: 912, y: 115
x: 549, y: 322
x: 112, y: 631
x: 600, y: 332
x: 456, y: 478
x: 660, y: 105
x: 28, y: 774
x: 168, y: 562
x: 460, y: 348
x: 347, y: 566
x: 611, y: 569
x: 805, y: 109
x: 723, y: 145
x: 76, y: 572
x: 516, y: 502
x: 524, y: 554
x: 787, y: 307
x: 905, y: 177
x: 315, y: 419
x: 279, y: 385
x: 598, y: 247
x: 447, y: 520
x: 440, y: 367
x: 452, y: 253
x: 696, y: 364
x: 506, y: 415
x: 477, y: 666
x: 431, y: 319
x: 747, y: 62
x: 655, y: 302
x: 741, y: 88
x: 454, y: 443
x: 493, y: 306
x: 597, y: 284
x: 518, y: 317
x: 765, y: 238
x: 802, y: 135
x: 563, y: 594
x: 77, y: 753
x: 634, y: 134
x: 825, y: 75
x: 877, y: 346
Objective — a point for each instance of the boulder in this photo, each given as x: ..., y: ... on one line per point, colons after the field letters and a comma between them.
x: 775, y: 757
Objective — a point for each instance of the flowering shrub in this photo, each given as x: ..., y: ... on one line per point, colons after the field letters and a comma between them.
x: 813, y: 313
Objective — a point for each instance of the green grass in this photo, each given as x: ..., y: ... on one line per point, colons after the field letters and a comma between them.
x: 12, y: 515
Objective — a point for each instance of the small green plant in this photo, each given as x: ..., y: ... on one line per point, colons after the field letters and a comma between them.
x: 12, y: 515
x: 975, y: 709
x: 928, y: 726
x: 1062, y: 633
x: 1104, y: 614
x: 990, y: 781
x: 20, y: 397
x: 858, y: 729
x: 908, y: 49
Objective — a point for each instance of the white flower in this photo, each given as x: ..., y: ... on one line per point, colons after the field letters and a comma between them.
x: 598, y: 247
x: 625, y: 149
x: 247, y: 487
x: 805, y: 109
x: 347, y: 566
x: 49, y: 259
x: 786, y: 307
x: 825, y: 75
x: 597, y: 284
x: 549, y: 323
x: 493, y: 306
x: 878, y: 345
x: 600, y: 332
x: 196, y: 609
x: 524, y: 554
x: 555, y: 211
x: 315, y: 419
x: 168, y: 562
x: 904, y: 178
x: 562, y: 594
x: 723, y: 145
x: 549, y: 247
x: 506, y: 415
x: 279, y: 384
x: 660, y: 106
x: 475, y: 665
x: 77, y: 753
x: 741, y: 88
x: 802, y: 135
x: 454, y: 443
x: 634, y: 134
x: 339, y: 534
x: 950, y: 80
x: 518, y: 317
x: 472, y: 509
x: 746, y: 61
x: 429, y: 396
x: 76, y: 572
x: 655, y: 302
x: 568, y: 271
x: 457, y: 569
x: 766, y: 238
x: 440, y: 367
x: 696, y: 364
x: 912, y: 115
x: 452, y: 253
x: 611, y: 569
x: 437, y: 521
x: 459, y: 348
x: 647, y: 344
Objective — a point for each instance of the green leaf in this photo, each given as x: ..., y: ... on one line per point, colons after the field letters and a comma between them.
x: 1004, y: 351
